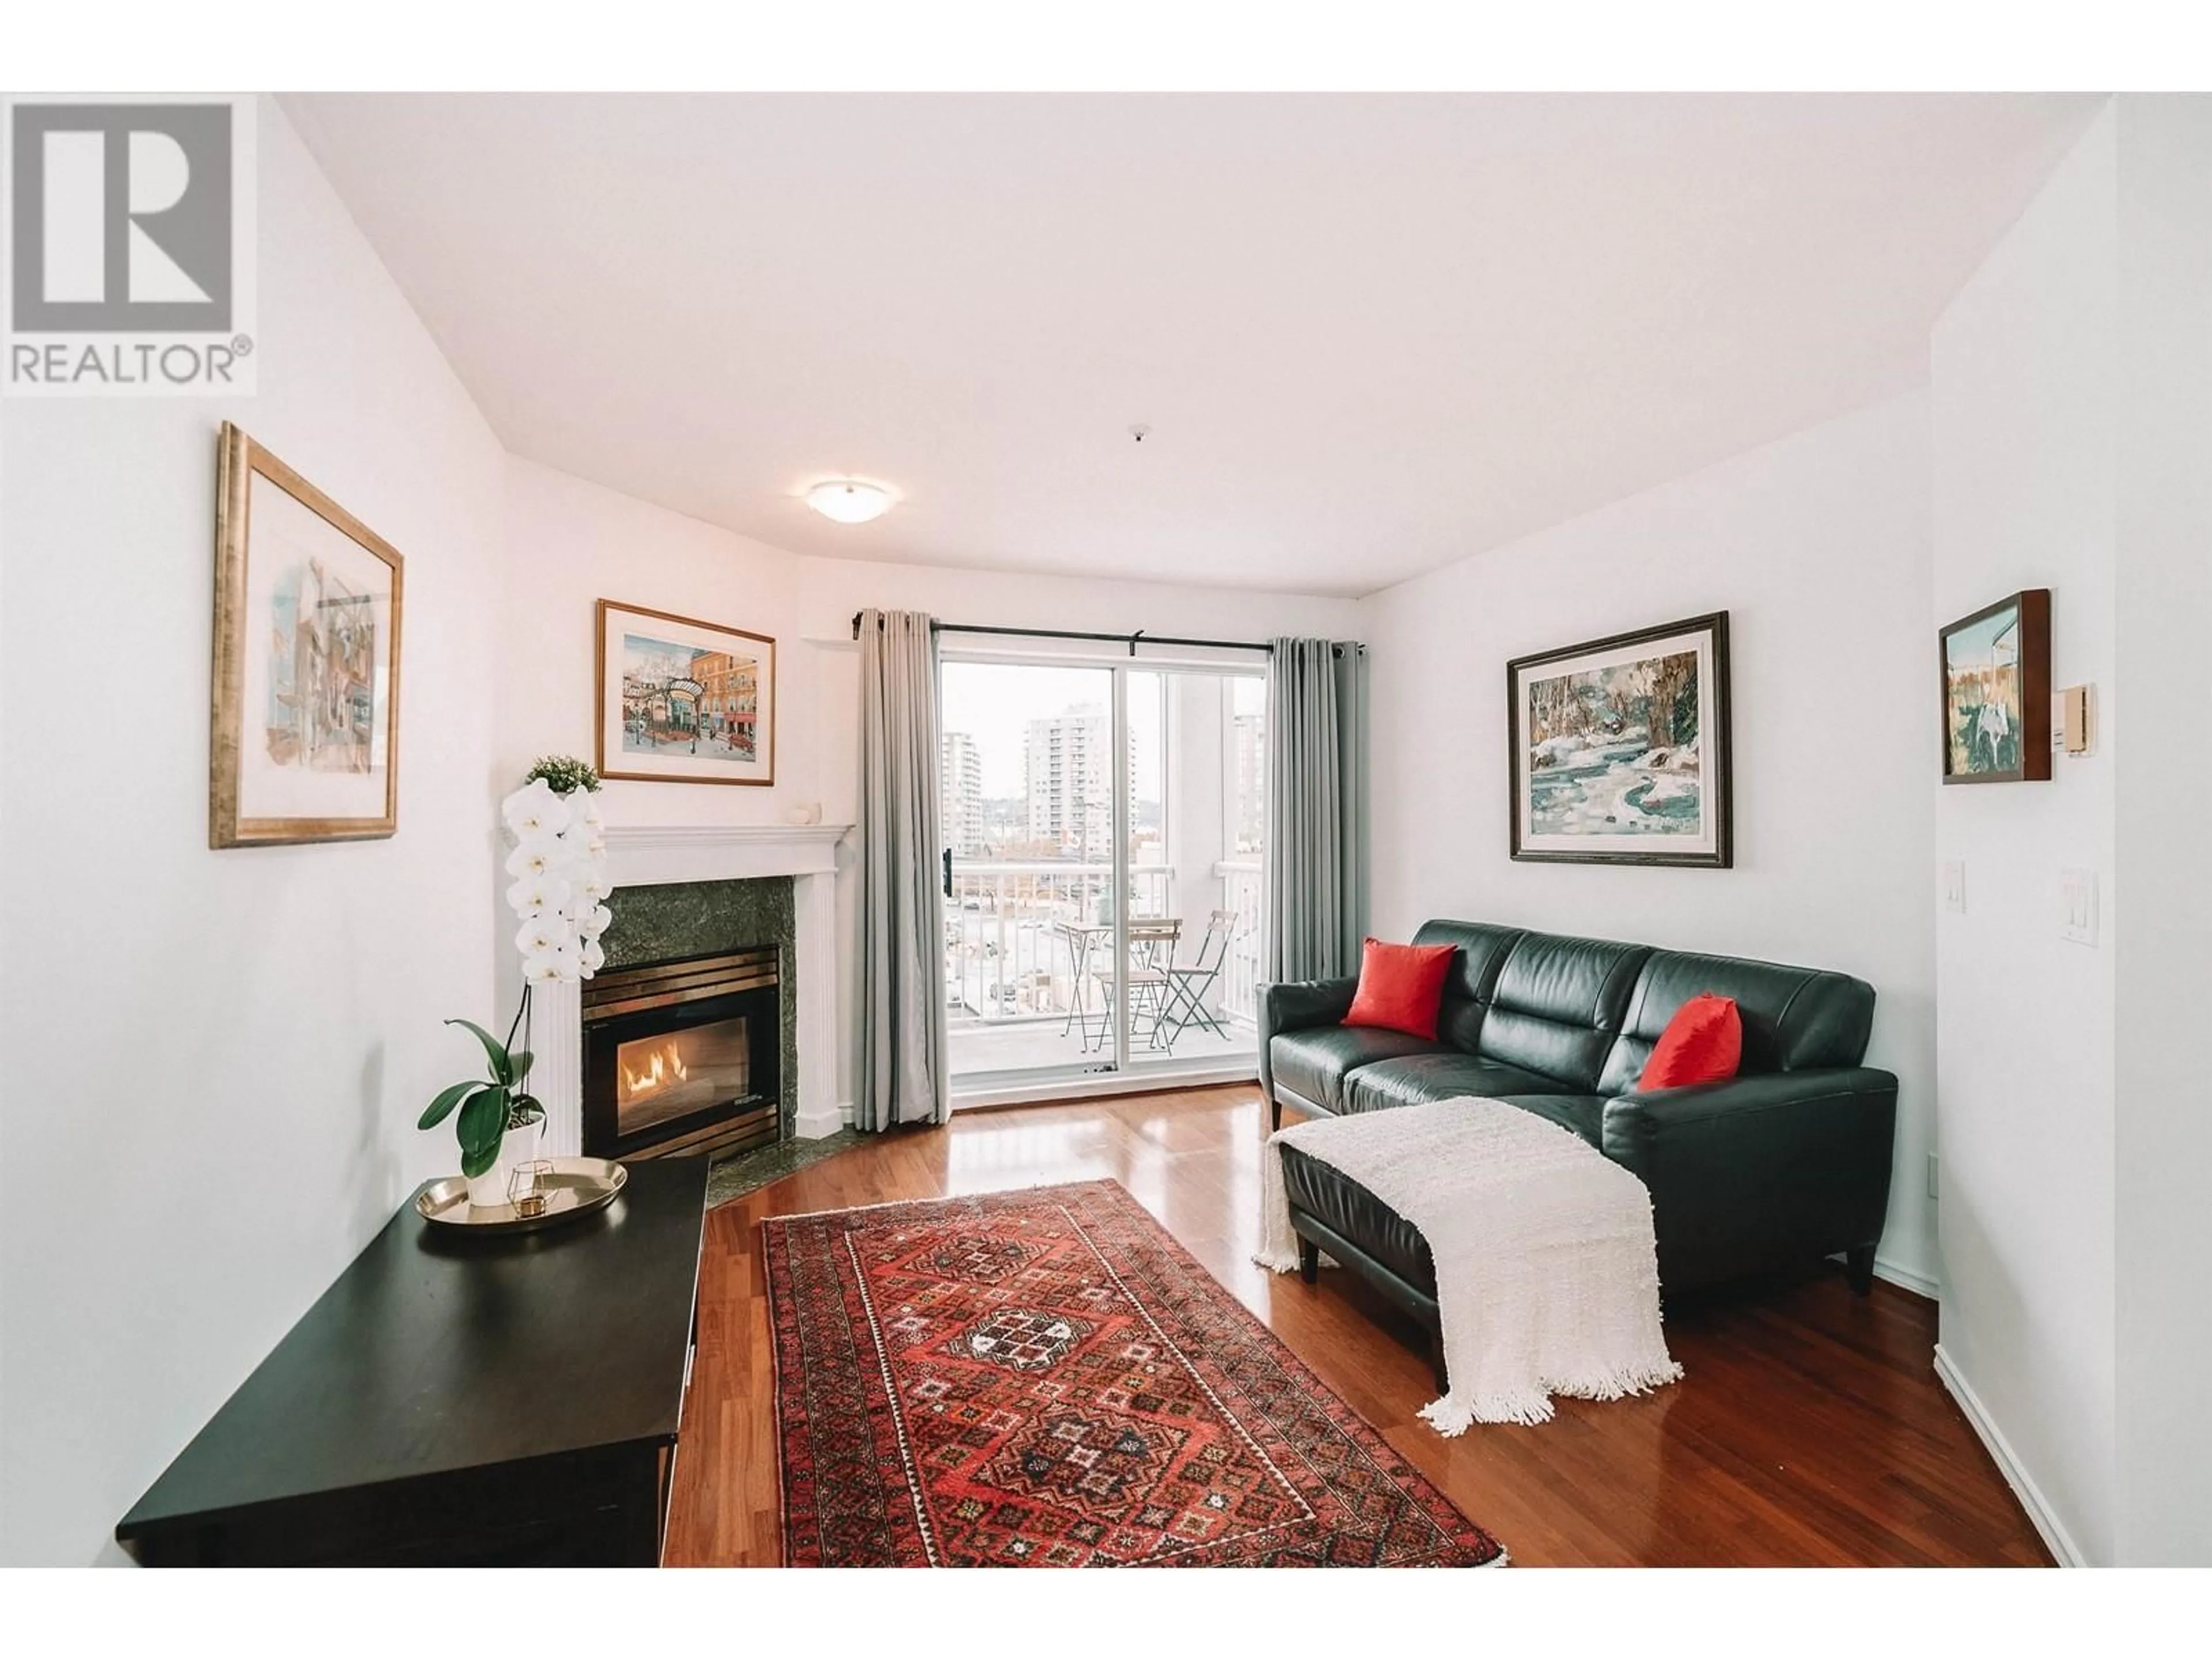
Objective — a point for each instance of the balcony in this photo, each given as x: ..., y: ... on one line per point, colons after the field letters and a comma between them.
x: 1029, y: 965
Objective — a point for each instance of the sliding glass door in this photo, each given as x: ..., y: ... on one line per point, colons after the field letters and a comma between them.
x: 1026, y: 783
x: 1104, y: 842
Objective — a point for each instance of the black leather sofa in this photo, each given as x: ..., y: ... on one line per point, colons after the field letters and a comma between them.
x: 1787, y: 1162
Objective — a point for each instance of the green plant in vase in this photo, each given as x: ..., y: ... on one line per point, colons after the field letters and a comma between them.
x: 488, y: 1106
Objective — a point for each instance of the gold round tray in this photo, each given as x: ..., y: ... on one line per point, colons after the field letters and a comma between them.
x: 575, y: 1187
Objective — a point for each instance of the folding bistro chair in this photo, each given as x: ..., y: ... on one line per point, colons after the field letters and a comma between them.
x: 1149, y: 936
x: 1081, y: 1016
x: 1188, y: 987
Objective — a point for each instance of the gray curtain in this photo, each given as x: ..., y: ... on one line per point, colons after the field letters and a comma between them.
x: 1316, y: 809
x: 903, y: 1043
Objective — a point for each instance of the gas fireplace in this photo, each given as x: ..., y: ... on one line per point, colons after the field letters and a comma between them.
x: 682, y: 1057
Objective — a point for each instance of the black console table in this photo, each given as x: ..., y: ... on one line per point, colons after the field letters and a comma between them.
x: 448, y: 1400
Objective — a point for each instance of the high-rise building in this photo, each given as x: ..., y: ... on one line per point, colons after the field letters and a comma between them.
x: 1071, y: 781
x: 960, y: 780
x: 1249, y: 781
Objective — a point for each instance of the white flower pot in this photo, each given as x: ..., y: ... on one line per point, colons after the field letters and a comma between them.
x: 489, y: 1190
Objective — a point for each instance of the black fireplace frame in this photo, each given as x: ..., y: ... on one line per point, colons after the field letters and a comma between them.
x: 657, y: 999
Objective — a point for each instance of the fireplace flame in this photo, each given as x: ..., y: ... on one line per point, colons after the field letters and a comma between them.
x: 664, y: 1067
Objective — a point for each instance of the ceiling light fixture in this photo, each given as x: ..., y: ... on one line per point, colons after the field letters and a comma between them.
x: 848, y: 500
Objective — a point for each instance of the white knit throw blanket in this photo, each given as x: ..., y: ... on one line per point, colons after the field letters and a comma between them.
x: 1547, y: 1273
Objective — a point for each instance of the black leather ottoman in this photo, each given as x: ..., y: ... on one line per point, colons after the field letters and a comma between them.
x: 1331, y: 1211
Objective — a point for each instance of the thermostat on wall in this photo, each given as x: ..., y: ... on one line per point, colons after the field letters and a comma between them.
x: 2074, y: 720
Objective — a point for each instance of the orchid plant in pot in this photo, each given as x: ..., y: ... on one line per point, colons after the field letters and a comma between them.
x: 559, y: 894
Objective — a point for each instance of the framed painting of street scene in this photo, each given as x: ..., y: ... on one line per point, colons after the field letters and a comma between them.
x: 682, y: 701
x: 1618, y: 748
x: 1997, y: 692
x: 304, y: 742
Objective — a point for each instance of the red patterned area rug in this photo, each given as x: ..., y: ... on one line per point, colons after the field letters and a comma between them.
x: 1046, y: 1378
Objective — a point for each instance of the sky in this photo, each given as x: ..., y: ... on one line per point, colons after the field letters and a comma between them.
x: 994, y: 702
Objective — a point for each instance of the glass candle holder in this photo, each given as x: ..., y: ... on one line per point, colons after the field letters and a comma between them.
x: 528, y: 1188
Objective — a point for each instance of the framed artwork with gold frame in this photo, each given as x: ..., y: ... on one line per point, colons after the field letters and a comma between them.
x: 682, y: 701
x: 304, y: 740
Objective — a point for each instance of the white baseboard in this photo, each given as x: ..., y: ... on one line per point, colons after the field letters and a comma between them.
x: 1907, y: 1278
x: 2055, y: 1535
x: 818, y: 1126
x: 1093, y: 1084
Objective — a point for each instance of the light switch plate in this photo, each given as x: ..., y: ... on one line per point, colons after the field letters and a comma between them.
x: 1954, y: 886
x: 2077, y: 906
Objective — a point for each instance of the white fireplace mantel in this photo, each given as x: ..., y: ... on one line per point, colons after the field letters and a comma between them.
x: 646, y: 855
x: 643, y: 855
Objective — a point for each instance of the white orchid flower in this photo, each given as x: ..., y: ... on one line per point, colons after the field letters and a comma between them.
x: 542, y: 969
x: 536, y: 896
x: 540, y: 934
x: 534, y: 810
x: 535, y: 857
x: 528, y: 798
x: 559, y: 866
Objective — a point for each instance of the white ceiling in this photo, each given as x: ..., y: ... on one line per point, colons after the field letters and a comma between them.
x: 1370, y: 334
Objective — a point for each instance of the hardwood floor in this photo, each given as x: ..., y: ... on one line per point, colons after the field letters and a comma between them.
x: 1810, y: 1429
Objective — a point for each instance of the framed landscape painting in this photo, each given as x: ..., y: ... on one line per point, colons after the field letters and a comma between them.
x: 683, y: 700
x: 1618, y: 748
x: 1997, y: 692
x: 304, y: 743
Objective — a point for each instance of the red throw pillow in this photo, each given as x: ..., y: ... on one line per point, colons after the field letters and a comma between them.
x: 1401, y: 986
x: 1703, y: 1043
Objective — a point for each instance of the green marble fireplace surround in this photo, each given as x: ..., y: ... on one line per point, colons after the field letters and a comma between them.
x: 666, y: 922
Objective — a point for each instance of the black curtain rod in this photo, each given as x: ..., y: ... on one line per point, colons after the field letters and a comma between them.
x: 1133, y: 640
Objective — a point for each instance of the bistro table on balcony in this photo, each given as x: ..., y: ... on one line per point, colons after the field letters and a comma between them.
x: 1148, y: 937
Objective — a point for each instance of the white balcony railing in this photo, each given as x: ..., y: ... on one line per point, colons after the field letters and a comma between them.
x: 1009, y: 953
x: 1007, y: 950
x: 1242, y: 891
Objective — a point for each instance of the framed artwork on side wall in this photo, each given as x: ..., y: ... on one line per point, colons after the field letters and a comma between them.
x: 682, y: 701
x: 1997, y: 692
x: 1617, y: 749
x: 304, y: 740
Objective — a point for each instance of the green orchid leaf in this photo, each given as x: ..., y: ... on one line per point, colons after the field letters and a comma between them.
x: 502, y: 1068
x: 519, y: 1064
x: 482, y: 1121
x: 437, y: 1111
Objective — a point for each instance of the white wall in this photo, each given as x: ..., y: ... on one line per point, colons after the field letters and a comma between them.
x: 571, y: 544
x: 2163, y: 968
x: 2072, y: 400
x: 2022, y: 401
x: 185, y: 1027
x: 1817, y: 548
